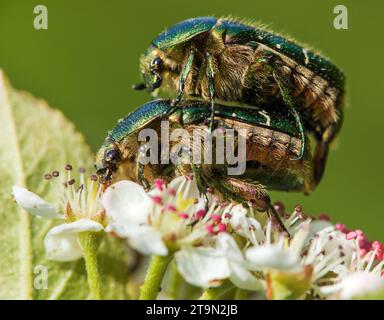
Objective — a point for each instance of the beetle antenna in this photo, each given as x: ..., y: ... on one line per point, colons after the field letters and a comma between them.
x: 138, y: 86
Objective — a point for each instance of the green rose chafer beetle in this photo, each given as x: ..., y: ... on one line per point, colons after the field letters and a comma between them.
x: 228, y: 60
x: 271, y: 140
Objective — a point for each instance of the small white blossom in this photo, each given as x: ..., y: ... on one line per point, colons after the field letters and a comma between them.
x: 80, y: 207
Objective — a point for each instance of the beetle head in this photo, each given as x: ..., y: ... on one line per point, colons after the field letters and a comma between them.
x: 151, y: 68
x: 107, y: 161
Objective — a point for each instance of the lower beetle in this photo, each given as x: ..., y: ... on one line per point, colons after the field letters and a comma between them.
x: 270, y: 142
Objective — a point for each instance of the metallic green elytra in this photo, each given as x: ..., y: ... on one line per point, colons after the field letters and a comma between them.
x: 227, y: 60
x: 271, y: 140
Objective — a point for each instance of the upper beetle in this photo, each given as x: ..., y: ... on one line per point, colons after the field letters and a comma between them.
x: 234, y: 61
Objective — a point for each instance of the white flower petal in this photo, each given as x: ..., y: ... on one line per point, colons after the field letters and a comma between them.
x: 359, y: 284
x: 147, y: 240
x: 188, y: 187
x: 243, y: 225
x: 127, y: 202
x: 34, y: 203
x: 244, y: 279
x: 228, y: 246
x: 61, y: 242
x: 62, y: 246
x: 202, y: 267
x: 271, y: 256
x: 80, y: 225
x: 240, y: 276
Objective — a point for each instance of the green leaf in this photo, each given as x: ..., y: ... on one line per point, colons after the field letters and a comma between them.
x: 34, y: 140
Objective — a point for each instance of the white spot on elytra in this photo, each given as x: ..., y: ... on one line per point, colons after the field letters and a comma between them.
x: 306, y: 59
x: 266, y: 116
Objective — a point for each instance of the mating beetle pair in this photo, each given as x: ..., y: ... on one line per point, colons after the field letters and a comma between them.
x: 224, y: 60
x: 271, y: 140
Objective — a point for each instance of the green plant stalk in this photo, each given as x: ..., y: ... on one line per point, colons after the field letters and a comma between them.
x: 175, y: 281
x: 218, y: 292
x: 155, y: 274
x: 241, y: 294
x: 90, y: 242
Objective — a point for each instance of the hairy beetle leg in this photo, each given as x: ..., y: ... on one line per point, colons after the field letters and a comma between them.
x: 140, y: 167
x: 211, y: 88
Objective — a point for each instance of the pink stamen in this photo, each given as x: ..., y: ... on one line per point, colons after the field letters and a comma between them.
x: 170, y: 207
x: 210, y: 228
x: 216, y: 217
x: 200, y: 214
x: 221, y: 227
x: 342, y: 228
x: 172, y: 192
x: 159, y: 184
x: 324, y: 217
x: 378, y: 246
x: 363, y: 242
x: 157, y: 199
x: 183, y: 215
x: 351, y: 235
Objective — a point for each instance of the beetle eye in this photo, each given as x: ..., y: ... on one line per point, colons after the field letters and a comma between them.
x: 156, y: 64
x: 112, y: 156
x: 158, y: 81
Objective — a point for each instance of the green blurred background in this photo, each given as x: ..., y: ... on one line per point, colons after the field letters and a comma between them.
x: 86, y: 61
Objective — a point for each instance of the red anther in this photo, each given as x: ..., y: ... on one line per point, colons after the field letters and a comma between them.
x: 378, y: 246
x: 216, y: 217
x: 210, y: 228
x: 298, y: 208
x: 170, y: 207
x: 221, y: 227
x: 359, y: 232
x: 324, y: 217
x: 183, y: 215
x: 363, y: 242
x: 47, y: 176
x: 172, y: 192
x: 157, y: 199
x: 200, y: 214
x: 342, y: 228
x: 351, y: 235
x: 363, y: 252
x: 227, y: 216
x: 159, y: 184
x: 279, y: 207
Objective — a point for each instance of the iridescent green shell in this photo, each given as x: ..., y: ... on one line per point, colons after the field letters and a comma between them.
x: 234, y: 32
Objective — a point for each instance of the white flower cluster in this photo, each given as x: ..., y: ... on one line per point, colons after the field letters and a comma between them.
x: 216, y: 243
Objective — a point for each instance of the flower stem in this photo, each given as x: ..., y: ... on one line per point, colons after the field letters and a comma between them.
x: 217, y: 293
x: 241, y: 294
x: 90, y: 243
x: 174, y: 283
x: 154, y: 276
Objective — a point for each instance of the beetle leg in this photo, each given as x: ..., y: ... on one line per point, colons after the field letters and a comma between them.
x: 183, y: 78
x: 140, y: 169
x: 288, y: 100
x: 201, y: 184
x: 321, y: 153
x: 248, y: 192
x: 211, y: 87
